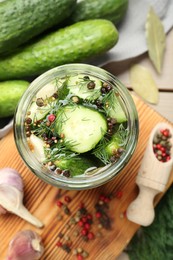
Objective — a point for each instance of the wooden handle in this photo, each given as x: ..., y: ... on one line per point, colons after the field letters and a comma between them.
x: 141, y: 210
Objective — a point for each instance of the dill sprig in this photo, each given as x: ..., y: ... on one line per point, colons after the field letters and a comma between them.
x: 100, y: 151
x: 110, y: 101
x: 60, y: 150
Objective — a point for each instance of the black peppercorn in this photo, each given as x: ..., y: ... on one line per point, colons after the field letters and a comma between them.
x: 91, y: 85
x: 66, y: 173
x: 86, y: 78
x: 40, y: 102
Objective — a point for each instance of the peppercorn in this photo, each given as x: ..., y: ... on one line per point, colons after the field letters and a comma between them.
x: 58, y: 171
x: 67, y: 199
x: 59, y: 203
x: 86, y: 78
x: 66, y: 173
x: 85, y: 254
x: 59, y: 244
x: 66, y: 248
x: 91, y: 85
x: 75, y: 99
x: 28, y: 120
x: 60, y: 235
x: 55, y: 95
x: 90, y: 236
x: 52, y: 167
x: 79, y: 257
x: 51, y: 117
x: 40, y: 102
x: 66, y: 210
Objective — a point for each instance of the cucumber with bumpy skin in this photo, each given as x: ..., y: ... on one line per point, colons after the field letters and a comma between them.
x: 11, y: 92
x: 75, y: 43
x: 113, y: 10
x: 81, y: 127
x: 21, y: 20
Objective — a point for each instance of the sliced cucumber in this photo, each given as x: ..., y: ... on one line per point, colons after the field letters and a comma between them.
x: 38, y: 147
x: 115, y: 110
x: 78, y: 86
x: 38, y: 113
x: 47, y: 91
x: 82, y: 127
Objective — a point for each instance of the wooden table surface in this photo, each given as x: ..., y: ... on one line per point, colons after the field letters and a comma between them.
x: 163, y: 81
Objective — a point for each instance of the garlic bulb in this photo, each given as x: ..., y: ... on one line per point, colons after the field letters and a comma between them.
x: 11, y: 196
x: 25, y: 245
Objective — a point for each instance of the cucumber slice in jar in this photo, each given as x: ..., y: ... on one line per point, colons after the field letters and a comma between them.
x: 38, y: 113
x: 81, y: 127
x: 115, y: 110
x: 85, y: 87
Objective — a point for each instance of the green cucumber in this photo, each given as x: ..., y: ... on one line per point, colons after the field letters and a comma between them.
x: 78, y: 86
x: 22, y: 20
x: 11, y: 92
x: 113, y: 10
x: 81, y: 127
x: 76, y: 165
x: 74, y: 43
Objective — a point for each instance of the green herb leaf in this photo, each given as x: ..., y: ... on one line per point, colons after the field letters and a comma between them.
x: 155, y: 37
x: 143, y: 84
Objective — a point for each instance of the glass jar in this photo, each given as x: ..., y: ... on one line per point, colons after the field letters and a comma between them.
x: 83, y: 181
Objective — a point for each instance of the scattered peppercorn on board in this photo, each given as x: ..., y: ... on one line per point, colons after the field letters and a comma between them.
x: 41, y: 199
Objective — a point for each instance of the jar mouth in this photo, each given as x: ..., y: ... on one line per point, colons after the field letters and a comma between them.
x: 82, y: 181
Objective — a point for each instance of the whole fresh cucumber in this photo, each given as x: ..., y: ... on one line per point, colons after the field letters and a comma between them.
x: 74, y: 43
x: 113, y: 10
x: 11, y: 91
x: 21, y: 20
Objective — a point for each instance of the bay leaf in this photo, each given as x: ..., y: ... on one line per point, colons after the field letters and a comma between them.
x: 143, y: 84
x: 155, y: 38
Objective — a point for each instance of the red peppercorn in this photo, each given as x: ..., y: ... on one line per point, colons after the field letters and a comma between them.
x: 98, y: 214
x: 79, y: 257
x: 51, y: 117
x: 158, y: 146
x: 59, y: 244
x: 90, y: 235
x: 84, y: 231
x: 165, y: 132
x: 119, y: 194
x: 80, y: 223
x: 59, y: 203
x: 168, y: 158
x: 106, y: 200
x: 89, y: 216
x: 87, y: 226
x: 84, y: 219
x: 102, y: 197
x: 67, y: 199
x: 163, y: 149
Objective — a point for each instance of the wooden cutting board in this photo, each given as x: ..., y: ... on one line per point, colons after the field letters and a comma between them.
x: 40, y: 198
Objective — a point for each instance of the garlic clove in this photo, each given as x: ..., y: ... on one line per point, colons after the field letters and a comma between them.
x: 11, y: 196
x: 12, y: 200
x: 13, y: 178
x: 25, y: 245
